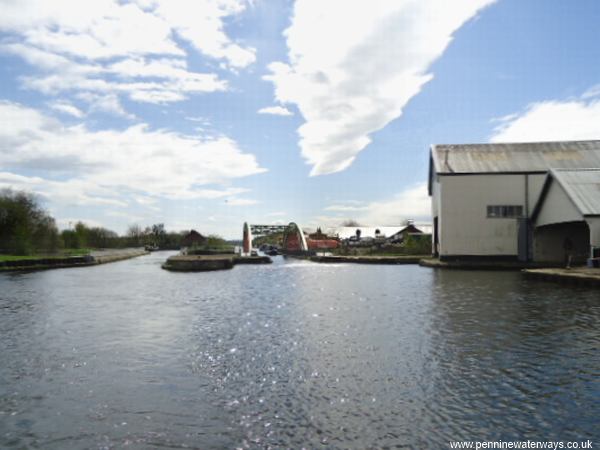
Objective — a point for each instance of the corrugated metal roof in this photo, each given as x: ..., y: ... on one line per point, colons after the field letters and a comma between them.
x: 516, y: 157
x: 583, y: 188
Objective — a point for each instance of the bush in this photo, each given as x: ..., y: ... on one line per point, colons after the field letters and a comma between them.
x: 417, y: 244
x: 214, y: 244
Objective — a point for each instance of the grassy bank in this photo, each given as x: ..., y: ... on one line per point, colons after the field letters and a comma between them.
x: 77, y: 258
x: 63, y: 254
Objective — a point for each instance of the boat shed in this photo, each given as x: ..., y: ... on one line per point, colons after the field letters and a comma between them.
x: 484, y: 197
x: 566, y: 218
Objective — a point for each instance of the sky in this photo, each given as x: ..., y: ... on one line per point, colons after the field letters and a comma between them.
x: 205, y: 114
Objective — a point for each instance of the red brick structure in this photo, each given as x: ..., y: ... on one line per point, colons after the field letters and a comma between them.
x: 193, y: 238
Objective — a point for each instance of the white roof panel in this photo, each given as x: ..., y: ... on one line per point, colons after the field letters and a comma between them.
x: 583, y: 188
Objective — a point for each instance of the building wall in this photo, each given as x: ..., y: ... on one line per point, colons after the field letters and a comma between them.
x: 435, y: 212
x: 594, y: 224
x: 557, y: 208
x: 464, y: 226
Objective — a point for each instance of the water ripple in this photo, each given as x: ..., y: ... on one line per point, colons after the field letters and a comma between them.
x: 293, y: 355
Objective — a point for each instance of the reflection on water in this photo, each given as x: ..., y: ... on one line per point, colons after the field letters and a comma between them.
x: 293, y: 354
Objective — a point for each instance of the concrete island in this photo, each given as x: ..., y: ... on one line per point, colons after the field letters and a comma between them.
x: 204, y: 263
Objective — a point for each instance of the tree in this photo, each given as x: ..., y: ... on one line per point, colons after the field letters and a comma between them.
x: 159, y: 234
x: 99, y: 237
x: 215, y: 241
x: 134, y: 235
x: 25, y: 227
x: 69, y: 238
x: 81, y: 233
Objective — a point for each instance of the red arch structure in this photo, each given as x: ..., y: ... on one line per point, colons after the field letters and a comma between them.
x: 247, y: 239
x: 294, y: 239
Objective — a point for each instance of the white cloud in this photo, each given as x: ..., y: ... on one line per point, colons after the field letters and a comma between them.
x: 74, y: 192
x: 594, y: 91
x: 98, y: 29
x: 201, y: 24
x: 241, y: 201
x: 199, y: 119
x: 577, y: 119
x: 218, y: 193
x: 111, y: 28
x: 275, y: 110
x: 130, y: 218
x: 84, y: 166
x: 412, y: 203
x: 126, y: 48
x: 67, y: 108
x: 108, y: 103
x: 145, y: 200
x: 162, y: 80
x: 353, y: 66
x: 345, y: 208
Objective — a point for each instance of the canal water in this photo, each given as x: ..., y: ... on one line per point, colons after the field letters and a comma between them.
x: 294, y: 354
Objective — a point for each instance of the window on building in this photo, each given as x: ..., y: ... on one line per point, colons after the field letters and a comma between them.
x: 504, y: 211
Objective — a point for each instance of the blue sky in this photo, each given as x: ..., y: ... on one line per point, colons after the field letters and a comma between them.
x: 206, y: 114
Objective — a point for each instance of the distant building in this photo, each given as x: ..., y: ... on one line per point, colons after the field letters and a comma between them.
x: 370, y: 235
x: 318, y: 235
x: 410, y: 230
x: 193, y: 238
x: 527, y: 201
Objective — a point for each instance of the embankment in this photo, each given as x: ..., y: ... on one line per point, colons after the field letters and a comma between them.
x: 57, y: 262
x: 478, y: 264
x: 584, y: 276
x: 369, y: 259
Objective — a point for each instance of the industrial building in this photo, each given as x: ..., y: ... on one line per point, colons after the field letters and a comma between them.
x: 380, y: 233
x: 522, y: 201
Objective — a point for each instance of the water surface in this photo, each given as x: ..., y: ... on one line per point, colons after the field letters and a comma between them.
x: 294, y: 354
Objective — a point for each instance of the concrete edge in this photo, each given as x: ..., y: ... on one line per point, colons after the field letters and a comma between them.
x: 564, y: 276
x: 404, y: 259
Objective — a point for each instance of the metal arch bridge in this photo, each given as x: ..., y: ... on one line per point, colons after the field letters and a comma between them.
x: 293, y: 236
x: 258, y: 230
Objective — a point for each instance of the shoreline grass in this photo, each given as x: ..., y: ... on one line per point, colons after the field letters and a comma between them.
x: 63, y: 254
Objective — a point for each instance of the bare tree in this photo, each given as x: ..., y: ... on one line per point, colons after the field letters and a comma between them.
x: 135, y: 234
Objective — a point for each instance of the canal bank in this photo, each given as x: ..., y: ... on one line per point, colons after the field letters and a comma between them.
x: 94, y: 258
x: 477, y: 264
x: 582, y: 276
x: 579, y: 275
x: 368, y: 259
